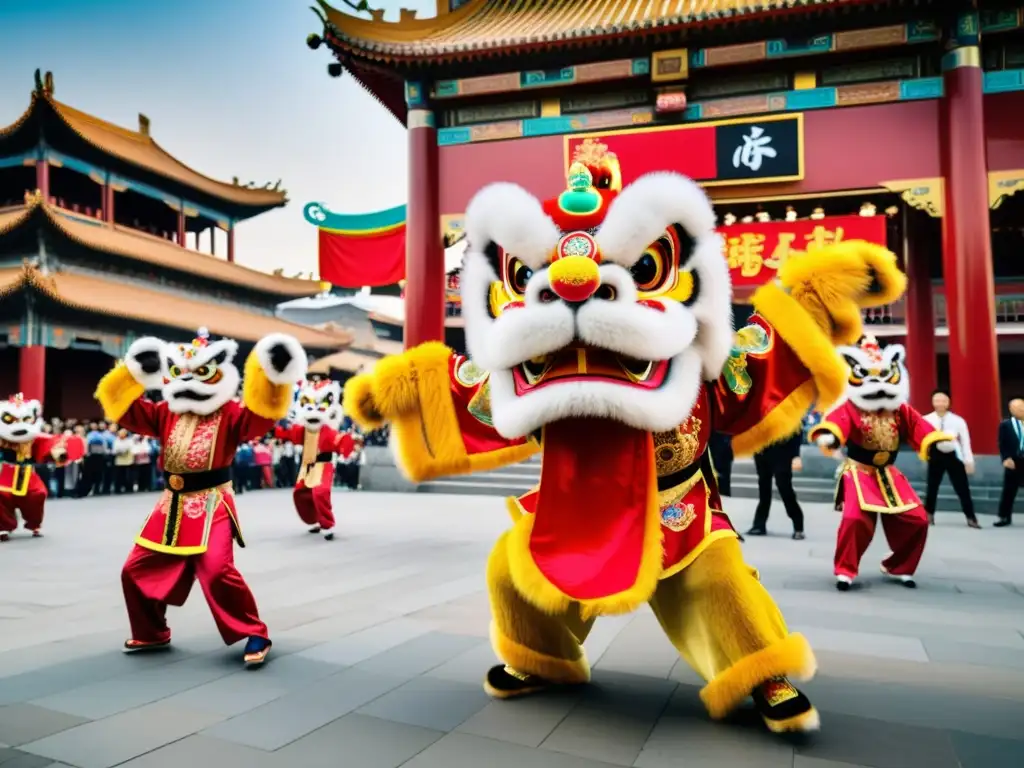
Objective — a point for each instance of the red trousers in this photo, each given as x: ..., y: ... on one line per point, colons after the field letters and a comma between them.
x: 906, y: 533
x: 153, y: 580
x: 314, y: 504
x: 31, y: 506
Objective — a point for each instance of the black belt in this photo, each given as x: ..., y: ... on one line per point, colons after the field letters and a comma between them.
x: 10, y: 456
x: 188, y: 482
x: 667, y: 482
x: 871, y: 458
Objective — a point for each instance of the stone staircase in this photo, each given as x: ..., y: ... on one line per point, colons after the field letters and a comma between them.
x: 815, y: 486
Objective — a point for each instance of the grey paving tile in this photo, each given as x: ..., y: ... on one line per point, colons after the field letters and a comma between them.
x: 430, y: 703
x: 986, y: 751
x: 367, y: 742
x: 296, y: 714
x: 117, y: 739
x: 366, y: 643
x: 463, y: 750
x: 528, y: 721
x: 865, y: 643
x: 13, y: 758
x: 880, y: 744
x: 199, y: 751
x: 640, y: 648
x: 613, y: 719
x: 22, y: 723
x: 419, y: 655
x: 802, y: 761
x: 469, y: 667
x: 939, y: 649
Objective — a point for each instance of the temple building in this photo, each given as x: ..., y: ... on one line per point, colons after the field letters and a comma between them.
x: 894, y: 121
x: 99, y: 235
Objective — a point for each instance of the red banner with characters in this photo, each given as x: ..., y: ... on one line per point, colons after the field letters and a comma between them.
x: 756, y: 251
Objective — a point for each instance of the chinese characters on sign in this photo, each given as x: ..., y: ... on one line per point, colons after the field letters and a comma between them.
x: 755, y: 147
x: 755, y: 252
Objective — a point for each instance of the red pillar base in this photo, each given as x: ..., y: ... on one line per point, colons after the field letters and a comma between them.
x: 32, y: 372
x: 424, y: 254
x: 967, y: 252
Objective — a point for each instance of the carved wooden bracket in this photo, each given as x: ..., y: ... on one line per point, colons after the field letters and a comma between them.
x: 1003, y: 185
x: 926, y: 195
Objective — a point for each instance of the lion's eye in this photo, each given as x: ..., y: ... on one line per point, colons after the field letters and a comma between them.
x: 652, y: 268
x: 305, y: 401
x: 206, y: 372
x: 518, y: 275
x: 174, y: 371
x: 859, y: 372
x: 29, y: 419
x: 8, y: 418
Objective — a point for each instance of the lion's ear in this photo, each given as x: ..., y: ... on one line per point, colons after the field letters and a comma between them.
x: 895, y: 354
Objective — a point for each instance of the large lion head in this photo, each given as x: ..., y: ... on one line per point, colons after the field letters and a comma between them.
x: 21, y: 420
x: 600, y: 303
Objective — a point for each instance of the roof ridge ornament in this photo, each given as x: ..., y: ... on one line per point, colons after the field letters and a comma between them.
x: 44, y: 83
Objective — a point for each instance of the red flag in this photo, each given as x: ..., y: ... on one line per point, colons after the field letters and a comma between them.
x: 351, y: 261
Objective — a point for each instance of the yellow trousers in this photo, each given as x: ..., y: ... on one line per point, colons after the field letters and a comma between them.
x: 715, y: 612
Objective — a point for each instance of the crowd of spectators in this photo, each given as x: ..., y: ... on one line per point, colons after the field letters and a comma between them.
x: 119, y: 462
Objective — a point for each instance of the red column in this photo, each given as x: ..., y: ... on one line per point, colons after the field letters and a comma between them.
x: 181, y: 227
x: 108, y: 203
x: 32, y: 372
x: 424, y: 256
x: 43, y: 177
x: 967, y: 251
x: 231, y: 242
x: 920, y: 318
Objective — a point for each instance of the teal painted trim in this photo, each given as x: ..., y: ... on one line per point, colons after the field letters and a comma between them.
x: 780, y: 48
x: 641, y: 67
x: 15, y: 161
x: 544, y: 78
x: 320, y: 216
x: 446, y: 89
x: 415, y: 95
x: 446, y: 137
x: 968, y: 29
x: 1004, y: 81
x: 698, y: 58
x: 73, y: 163
x: 808, y: 98
x: 923, y: 32
x: 922, y: 88
x: 780, y: 101
x: 1000, y: 21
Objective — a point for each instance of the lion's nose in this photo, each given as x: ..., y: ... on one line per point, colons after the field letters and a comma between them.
x: 574, y: 278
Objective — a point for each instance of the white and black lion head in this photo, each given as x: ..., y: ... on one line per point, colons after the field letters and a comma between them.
x: 878, y: 377
x: 318, y: 405
x: 21, y: 420
x: 619, y: 310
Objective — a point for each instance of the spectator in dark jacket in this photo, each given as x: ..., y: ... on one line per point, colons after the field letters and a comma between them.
x: 778, y: 461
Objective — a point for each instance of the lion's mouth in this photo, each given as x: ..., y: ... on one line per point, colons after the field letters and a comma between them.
x: 580, y: 363
x: 878, y: 395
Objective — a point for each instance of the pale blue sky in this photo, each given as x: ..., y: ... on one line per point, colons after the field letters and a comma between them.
x: 231, y: 89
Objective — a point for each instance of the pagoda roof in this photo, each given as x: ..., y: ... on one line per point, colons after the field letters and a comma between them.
x: 111, y: 298
x: 485, y: 28
x: 141, y: 247
x: 134, y: 148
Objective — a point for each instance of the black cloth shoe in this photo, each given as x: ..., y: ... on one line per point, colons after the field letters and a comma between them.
x: 755, y: 531
x: 1002, y: 522
x: 798, y: 536
x: 503, y: 682
x: 783, y: 708
x: 315, y: 529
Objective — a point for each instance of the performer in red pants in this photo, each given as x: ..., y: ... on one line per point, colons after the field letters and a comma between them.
x: 22, y: 446
x: 317, y: 416
x: 188, y: 535
x: 871, y: 424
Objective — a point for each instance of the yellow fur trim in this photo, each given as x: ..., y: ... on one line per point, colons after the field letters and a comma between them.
x: 827, y: 426
x: 260, y: 395
x: 530, y: 662
x: 706, y: 542
x: 116, y: 392
x: 357, y: 402
x: 534, y: 586
x: 779, y: 423
x: 889, y: 282
x: 802, y: 723
x: 396, y: 386
x: 931, y: 439
x: 515, y: 509
x: 790, y: 657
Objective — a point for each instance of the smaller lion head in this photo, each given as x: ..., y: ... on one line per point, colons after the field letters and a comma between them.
x: 878, y: 377
x: 319, y: 404
x: 21, y: 420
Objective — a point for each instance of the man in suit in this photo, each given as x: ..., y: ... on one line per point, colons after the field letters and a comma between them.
x: 1011, y: 451
x: 720, y: 446
x: 777, y: 462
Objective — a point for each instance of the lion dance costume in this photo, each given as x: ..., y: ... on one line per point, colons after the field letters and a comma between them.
x: 600, y: 331
x: 190, y: 532
x: 318, y: 415
x: 870, y: 425
x: 23, y: 445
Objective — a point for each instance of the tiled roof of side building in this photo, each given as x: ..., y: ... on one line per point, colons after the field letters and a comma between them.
x: 484, y: 27
x: 138, y: 148
x: 139, y: 246
x: 87, y: 293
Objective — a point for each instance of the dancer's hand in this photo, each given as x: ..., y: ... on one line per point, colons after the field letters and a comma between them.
x: 798, y: 464
x: 1009, y: 464
x: 969, y: 467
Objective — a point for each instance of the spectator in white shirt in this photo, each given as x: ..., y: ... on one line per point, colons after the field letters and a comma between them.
x: 958, y: 464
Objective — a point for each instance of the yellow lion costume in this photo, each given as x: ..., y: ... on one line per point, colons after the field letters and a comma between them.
x: 600, y: 331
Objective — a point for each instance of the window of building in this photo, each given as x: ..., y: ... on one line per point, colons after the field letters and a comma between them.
x: 738, y: 85
x: 595, y: 102
x: 871, y: 71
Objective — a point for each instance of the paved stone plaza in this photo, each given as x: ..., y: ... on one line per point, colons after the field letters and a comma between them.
x: 381, y: 642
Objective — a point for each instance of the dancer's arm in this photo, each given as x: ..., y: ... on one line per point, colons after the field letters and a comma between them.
x: 273, y: 369
x: 120, y: 392
x: 438, y: 405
